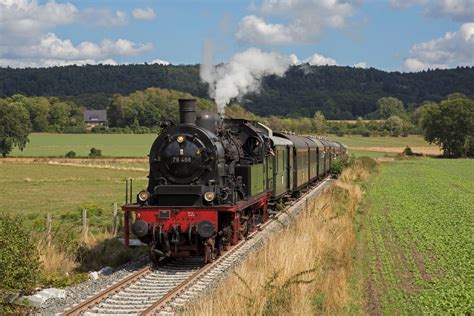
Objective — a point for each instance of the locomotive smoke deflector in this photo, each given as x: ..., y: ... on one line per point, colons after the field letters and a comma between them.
x: 187, y: 111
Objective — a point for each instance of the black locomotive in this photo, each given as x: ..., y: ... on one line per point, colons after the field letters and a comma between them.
x: 211, y: 180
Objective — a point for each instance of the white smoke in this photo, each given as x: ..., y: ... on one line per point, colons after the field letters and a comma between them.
x: 241, y: 74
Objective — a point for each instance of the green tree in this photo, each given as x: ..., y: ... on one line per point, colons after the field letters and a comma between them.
x: 390, y: 106
x: 319, y: 123
x: 450, y: 125
x: 59, y: 115
x: 15, y: 126
x: 418, y: 114
x: 394, y: 125
x: 38, y: 109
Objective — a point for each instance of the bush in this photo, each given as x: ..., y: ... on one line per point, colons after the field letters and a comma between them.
x: 19, y: 260
x: 95, y: 152
x: 368, y: 163
x: 407, y: 151
x: 469, y: 146
x: 71, y: 154
x: 337, y: 166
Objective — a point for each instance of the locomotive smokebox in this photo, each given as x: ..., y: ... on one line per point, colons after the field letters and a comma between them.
x: 187, y: 111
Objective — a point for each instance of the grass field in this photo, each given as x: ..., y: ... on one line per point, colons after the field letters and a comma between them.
x: 33, y: 189
x: 418, y: 232
x: 379, y: 141
x: 112, y: 145
x: 138, y: 145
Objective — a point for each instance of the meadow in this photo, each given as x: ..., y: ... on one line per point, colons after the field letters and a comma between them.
x: 416, y: 238
x: 112, y: 145
x: 34, y: 189
x: 138, y: 145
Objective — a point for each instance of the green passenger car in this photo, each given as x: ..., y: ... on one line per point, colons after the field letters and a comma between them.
x: 281, y: 166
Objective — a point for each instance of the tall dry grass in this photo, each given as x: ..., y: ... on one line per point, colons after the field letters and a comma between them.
x: 303, y: 270
x: 55, y: 261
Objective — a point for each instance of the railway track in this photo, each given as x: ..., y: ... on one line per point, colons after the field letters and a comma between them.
x: 171, y: 286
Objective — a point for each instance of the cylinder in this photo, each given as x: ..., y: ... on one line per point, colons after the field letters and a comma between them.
x: 187, y: 111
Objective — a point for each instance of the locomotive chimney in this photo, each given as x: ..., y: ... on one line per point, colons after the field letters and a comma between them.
x: 187, y: 111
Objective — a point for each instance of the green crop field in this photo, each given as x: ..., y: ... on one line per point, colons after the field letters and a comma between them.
x: 419, y: 237
x: 138, y: 145
x: 112, y: 145
x: 33, y: 189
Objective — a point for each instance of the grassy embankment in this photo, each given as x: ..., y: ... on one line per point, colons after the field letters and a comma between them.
x: 416, y: 244
x: 303, y: 270
x: 31, y: 190
x: 138, y: 145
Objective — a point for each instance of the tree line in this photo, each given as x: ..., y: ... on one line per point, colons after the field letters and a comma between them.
x: 337, y: 92
x: 448, y: 123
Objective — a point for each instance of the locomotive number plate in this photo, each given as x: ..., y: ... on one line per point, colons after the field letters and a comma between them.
x: 181, y: 159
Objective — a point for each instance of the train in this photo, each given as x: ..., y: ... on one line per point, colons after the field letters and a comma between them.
x: 214, y: 180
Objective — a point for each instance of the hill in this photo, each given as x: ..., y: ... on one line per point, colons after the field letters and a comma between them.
x: 339, y: 92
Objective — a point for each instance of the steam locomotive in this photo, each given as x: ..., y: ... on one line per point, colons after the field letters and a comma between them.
x: 212, y: 179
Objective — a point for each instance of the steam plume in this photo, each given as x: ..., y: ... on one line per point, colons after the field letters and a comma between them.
x: 241, y: 74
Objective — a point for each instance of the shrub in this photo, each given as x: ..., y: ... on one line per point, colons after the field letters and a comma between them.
x: 337, y: 166
x: 19, y: 260
x: 99, y: 129
x: 469, y: 146
x: 95, y: 152
x: 368, y: 164
x: 407, y: 151
x: 71, y: 154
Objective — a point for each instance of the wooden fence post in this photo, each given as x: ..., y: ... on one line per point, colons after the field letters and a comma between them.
x: 85, y: 227
x: 48, y: 229
x: 114, y: 229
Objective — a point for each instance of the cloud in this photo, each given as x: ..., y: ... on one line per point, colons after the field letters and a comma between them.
x: 402, y: 4
x: 294, y: 59
x: 320, y: 60
x: 144, y: 14
x: 160, y: 62
x: 242, y: 74
x: 458, y: 10
x: 20, y: 20
x: 362, y: 64
x: 27, y: 39
x: 305, y: 20
x: 108, y: 61
x: 51, y: 50
x: 103, y: 17
x: 454, y: 49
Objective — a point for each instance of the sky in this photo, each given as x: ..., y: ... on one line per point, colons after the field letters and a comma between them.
x: 392, y: 35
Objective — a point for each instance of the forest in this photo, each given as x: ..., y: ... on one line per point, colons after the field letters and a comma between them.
x: 338, y: 92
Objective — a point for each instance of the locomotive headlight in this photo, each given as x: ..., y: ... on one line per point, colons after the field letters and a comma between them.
x: 180, y: 139
x: 209, y: 196
x: 143, y: 196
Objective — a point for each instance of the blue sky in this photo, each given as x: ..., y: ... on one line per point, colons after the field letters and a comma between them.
x: 409, y: 35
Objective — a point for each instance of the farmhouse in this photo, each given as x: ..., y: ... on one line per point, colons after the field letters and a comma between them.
x: 94, y: 118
